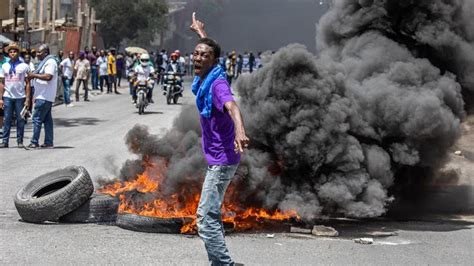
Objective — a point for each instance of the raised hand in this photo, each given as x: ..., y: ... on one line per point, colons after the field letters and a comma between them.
x: 198, y: 27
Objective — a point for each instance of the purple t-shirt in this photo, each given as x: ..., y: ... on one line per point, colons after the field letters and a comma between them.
x: 218, y: 131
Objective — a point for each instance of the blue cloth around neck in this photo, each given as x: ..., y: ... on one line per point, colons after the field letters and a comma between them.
x: 43, y: 62
x: 203, y: 90
x: 13, y: 66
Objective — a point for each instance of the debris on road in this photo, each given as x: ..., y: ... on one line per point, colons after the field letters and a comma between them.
x: 270, y: 235
x: 364, y: 240
x: 458, y: 153
x: 300, y: 230
x: 321, y: 230
x: 382, y: 234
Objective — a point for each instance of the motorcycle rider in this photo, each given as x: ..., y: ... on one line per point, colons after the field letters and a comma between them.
x: 175, y: 67
x: 142, y: 72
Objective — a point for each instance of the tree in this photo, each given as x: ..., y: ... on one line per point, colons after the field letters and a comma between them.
x: 138, y: 21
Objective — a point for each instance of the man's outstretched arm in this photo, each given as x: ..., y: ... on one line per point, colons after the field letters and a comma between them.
x: 241, y: 140
x: 198, y: 27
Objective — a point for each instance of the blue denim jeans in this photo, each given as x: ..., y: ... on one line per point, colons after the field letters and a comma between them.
x: 94, y: 77
x: 67, y: 90
x: 13, y: 105
x: 42, y: 115
x: 209, y: 218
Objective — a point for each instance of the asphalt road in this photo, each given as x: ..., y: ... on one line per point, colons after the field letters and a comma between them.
x: 91, y: 134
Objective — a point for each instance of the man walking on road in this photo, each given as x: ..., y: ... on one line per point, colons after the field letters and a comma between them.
x: 112, y: 71
x: 223, y: 139
x: 15, y: 89
x: 92, y: 57
x: 45, y: 79
x: 67, y: 72
x: 81, y: 74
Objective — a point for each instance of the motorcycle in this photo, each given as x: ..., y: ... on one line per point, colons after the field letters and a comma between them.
x: 172, y: 86
x: 142, y: 87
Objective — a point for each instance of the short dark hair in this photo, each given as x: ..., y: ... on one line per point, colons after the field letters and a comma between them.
x: 216, y: 48
x: 44, y: 47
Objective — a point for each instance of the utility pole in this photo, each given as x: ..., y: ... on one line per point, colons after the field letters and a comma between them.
x: 33, y: 14
x: 48, y: 13
x: 26, y: 24
x: 54, y: 17
x: 41, y: 16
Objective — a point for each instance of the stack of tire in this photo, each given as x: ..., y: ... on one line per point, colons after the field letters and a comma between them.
x: 65, y: 195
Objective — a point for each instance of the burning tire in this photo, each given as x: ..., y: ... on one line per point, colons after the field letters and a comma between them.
x: 52, y: 195
x: 100, y: 208
x: 148, y: 224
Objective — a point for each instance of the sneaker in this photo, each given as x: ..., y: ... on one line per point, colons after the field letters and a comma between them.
x: 3, y: 145
x: 86, y: 100
x: 151, y: 101
x: 70, y: 105
x: 47, y: 146
x: 21, y: 146
x: 32, y: 146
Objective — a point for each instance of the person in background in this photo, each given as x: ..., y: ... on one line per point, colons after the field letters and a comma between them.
x: 251, y: 62
x: 3, y: 59
x: 82, y: 68
x: 45, y: 81
x: 112, y: 71
x: 229, y: 69
x: 23, y: 52
x: 15, y: 89
x: 27, y: 61
x: 142, y: 72
x: 60, y: 92
x: 92, y: 57
x: 245, y: 62
x: 67, y: 70
x: 60, y: 55
x: 102, y: 67
x: 129, y: 71
x: 120, y: 67
x: 34, y: 57
x: 240, y: 64
x: 223, y: 139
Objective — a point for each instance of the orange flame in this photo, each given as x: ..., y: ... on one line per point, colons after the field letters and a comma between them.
x: 185, y: 203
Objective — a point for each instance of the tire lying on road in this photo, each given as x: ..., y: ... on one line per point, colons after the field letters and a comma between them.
x: 100, y: 208
x: 52, y: 195
x: 149, y: 224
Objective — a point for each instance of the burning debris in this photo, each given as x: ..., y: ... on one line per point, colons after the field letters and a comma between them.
x: 333, y: 135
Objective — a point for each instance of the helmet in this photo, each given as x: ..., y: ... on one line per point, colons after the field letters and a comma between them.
x: 174, y: 56
x: 144, y: 58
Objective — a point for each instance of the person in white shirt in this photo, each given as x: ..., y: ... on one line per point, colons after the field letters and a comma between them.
x: 142, y: 72
x: 45, y: 80
x: 102, y: 66
x: 15, y: 89
x: 67, y: 66
x: 82, y: 69
x: 27, y: 60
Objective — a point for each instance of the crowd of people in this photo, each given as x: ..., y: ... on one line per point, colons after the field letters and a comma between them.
x: 26, y: 80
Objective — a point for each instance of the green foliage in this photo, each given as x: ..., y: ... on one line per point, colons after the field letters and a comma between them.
x: 137, y: 20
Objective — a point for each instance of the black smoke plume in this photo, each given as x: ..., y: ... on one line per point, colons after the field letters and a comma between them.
x: 334, y: 134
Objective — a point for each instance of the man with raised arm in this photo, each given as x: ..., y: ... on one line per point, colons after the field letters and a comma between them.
x: 223, y: 139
